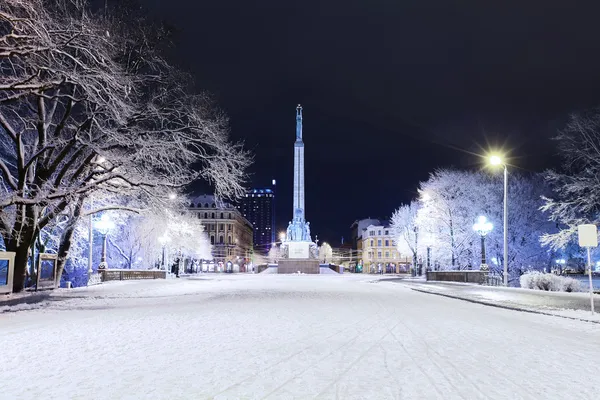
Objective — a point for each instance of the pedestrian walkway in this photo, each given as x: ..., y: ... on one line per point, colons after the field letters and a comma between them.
x: 575, y: 305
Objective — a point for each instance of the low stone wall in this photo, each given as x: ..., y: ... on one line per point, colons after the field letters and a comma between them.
x: 479, y: 277
x: 295, y: 265
x: 130, y: 274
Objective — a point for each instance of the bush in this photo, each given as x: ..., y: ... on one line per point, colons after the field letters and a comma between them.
x: 549, y: 282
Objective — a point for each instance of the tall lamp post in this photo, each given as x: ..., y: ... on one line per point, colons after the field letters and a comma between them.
x: 496, y: 161
x: 163, y: 240
x: 104, y: 225
x: 483, y: 227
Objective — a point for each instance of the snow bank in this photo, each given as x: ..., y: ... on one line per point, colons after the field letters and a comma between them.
x: 549, y: 282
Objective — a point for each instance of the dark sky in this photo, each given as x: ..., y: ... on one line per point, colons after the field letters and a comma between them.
x: 390, y: 89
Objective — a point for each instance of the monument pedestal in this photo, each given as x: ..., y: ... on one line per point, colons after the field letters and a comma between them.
x: 295, y: 265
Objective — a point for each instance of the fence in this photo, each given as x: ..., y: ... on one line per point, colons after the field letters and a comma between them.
x: 130, y: 274
x: 479, y: 277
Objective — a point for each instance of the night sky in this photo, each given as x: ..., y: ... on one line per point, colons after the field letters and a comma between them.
x: 391, y: 89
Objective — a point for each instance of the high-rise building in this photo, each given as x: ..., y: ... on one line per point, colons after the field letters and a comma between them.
x: 258, y: 207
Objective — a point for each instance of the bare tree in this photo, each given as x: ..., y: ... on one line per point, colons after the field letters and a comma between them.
x: 89, y: 106
x: 576, y: 198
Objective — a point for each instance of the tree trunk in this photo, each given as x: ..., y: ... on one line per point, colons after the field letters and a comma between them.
x: 20, y: 270
x: 66, y: 239
x: 20, y: 241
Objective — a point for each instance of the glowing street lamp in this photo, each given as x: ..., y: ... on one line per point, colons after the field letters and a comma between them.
x: 163, y: 240
x: 104, y: 225
x: 282, y: 236
x: 496, y: 160
x: 483, y: 227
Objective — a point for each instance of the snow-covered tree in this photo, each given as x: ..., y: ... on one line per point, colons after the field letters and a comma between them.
x: 576, y: 197
x: 405, y: 226
x: 87, y: 105
x: 451, y: 201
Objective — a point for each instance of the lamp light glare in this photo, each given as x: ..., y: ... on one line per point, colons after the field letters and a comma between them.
x: 495, y: 160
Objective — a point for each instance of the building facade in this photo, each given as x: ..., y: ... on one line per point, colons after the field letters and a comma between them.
x: 229, y: 232
x: 379, y: 251
x: 258, y: 207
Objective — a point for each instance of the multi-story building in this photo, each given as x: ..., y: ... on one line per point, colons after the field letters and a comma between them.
x: 379, y: 250
x: 258, y: 207
x: 229, y: 232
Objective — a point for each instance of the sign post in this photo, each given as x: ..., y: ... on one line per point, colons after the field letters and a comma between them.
x: 588, y: 238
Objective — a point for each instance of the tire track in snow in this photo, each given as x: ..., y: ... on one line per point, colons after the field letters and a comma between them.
x: 287, y: 358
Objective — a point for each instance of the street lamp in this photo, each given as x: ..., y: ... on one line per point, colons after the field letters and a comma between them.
x: 282, y: 236
x: 163, y: 240
x: 560, y: 262
x: 483, y: 227
x: 496, y: 160
x: 104, y: 225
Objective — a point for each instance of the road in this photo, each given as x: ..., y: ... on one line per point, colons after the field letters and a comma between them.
x: 289, y: 337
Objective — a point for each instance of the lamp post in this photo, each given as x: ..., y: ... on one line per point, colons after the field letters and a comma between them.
x: 483, y: 227
x: 163, y: 240
x: 560, y: 263
x: 496, y: 160
x: 104, y: 225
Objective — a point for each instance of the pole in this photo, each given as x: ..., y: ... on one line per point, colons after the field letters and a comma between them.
x: 164, y: 258
x: 103, y: 260
x: 590, y: 277
x: 483, y: 260
x: 505, y: 225
x: 91, y: 240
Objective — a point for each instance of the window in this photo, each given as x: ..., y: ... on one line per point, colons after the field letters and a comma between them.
x: 221, y: 227
x: 387, y: 254
x: 205, y: 205
x: 387, y: 243
x: 212, y: 215
x: 199, y: 216
x: 221, y: 239
x: 370, y: 255
x: 371, y: 233
x: 371, y: 242
x: 221, y: 215
x: 229, y: 227
x: 379, y: 254
x: 379, y: 233
x: 378, y: 242
x: 214, y: 205
x: 387, y: 233
x: 212, y: 239
x: 205, y: 215
x: 229, y: 240
x: 229, y: 215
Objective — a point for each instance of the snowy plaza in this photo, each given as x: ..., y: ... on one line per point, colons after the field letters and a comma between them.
x: 287, y: 337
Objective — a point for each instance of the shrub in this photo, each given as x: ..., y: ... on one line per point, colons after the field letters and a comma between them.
x: 549, y: 282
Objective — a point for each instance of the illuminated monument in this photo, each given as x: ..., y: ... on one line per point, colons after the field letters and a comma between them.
x: 299, y: 251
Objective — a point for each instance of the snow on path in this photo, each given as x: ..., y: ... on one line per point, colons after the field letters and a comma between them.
x: 289, y: 337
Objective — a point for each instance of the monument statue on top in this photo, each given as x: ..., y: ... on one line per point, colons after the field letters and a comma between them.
x: 298, y: 243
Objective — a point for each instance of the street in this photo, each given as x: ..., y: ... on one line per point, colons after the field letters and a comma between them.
x: 287, y: 337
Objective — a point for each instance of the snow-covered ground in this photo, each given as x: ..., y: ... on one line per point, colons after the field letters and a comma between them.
x: 286, y: 337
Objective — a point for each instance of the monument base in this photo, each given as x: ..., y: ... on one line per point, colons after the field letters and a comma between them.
x: 295, y: 265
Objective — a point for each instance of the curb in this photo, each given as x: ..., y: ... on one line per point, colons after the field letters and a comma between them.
x: 485, y: 303
x: 31, y: 299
